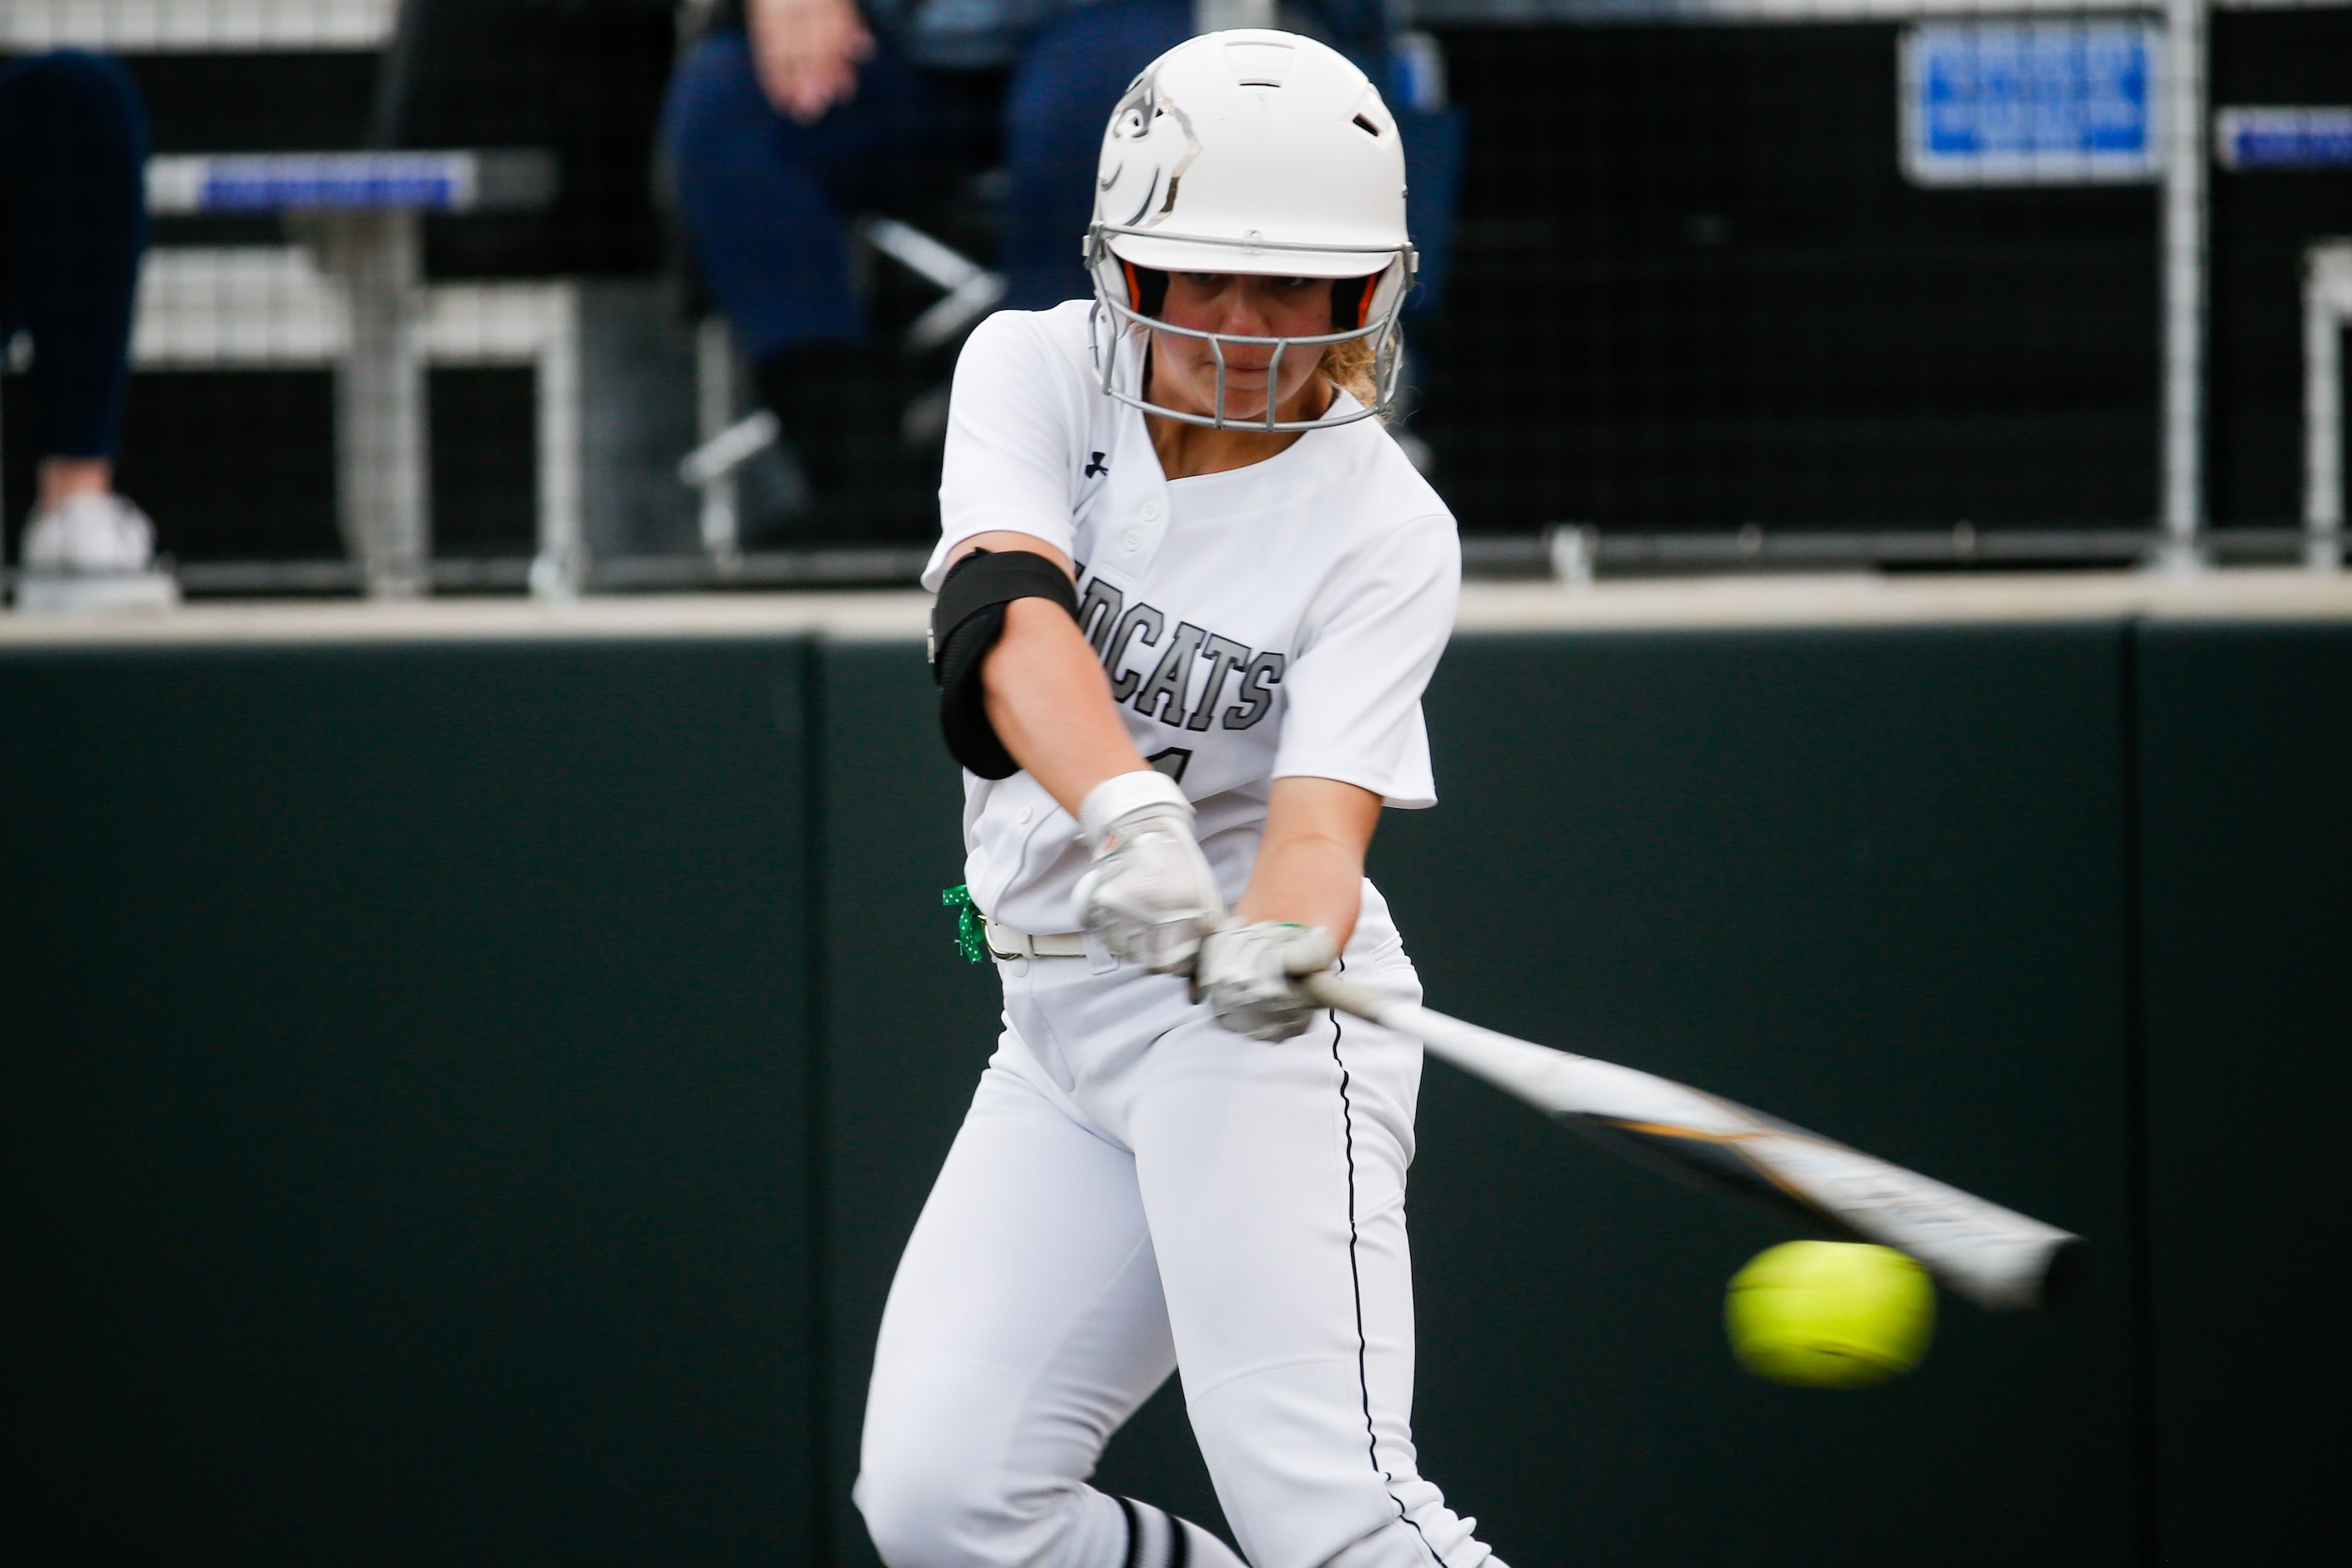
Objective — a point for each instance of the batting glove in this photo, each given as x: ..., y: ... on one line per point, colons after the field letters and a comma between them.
x: 1249, y: 976
x: 1149, y: 895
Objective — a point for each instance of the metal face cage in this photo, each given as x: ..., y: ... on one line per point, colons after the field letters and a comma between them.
x: 1114, y: 318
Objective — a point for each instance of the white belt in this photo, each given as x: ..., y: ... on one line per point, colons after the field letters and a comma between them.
x: 1007, y: 942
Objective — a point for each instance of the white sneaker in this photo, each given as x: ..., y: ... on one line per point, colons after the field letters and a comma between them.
x: 92, y: 550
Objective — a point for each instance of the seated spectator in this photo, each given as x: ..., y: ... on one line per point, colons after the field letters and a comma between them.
x: 73, y: 222
x: 789, y: 116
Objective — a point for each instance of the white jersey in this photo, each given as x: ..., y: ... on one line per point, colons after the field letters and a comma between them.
x: 1275, y: 620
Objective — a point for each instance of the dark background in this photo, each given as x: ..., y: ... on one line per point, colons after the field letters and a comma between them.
x: 407, y: 1109
x: 466, y: 1101
x: 2242, y: 756
x: 1694, y: 291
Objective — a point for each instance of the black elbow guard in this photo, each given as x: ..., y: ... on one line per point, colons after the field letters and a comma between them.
x: 966, y: 620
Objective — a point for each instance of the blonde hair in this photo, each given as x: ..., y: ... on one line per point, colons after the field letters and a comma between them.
x: 1352, y: 366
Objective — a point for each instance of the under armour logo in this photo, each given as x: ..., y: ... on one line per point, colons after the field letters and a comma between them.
x: 1097, y: 466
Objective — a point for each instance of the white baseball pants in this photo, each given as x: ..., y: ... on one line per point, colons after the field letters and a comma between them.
x: 1136, y: 1190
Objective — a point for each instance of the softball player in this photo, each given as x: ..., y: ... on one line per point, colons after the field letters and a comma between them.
x: 1189, y: 596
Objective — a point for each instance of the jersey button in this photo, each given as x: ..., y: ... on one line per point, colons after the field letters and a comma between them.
x: 1152, y: 511
x: 1026, y: 813
x: 1133, y: 541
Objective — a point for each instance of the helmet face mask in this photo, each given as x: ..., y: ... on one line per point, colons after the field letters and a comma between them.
x: 1121, y: 313
x: 1258, y: 154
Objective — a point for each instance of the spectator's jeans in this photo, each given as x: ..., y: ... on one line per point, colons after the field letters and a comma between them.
x: 73, y: 222
x: 763, y: 197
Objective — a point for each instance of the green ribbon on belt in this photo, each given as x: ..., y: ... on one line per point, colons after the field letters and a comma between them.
x: 971, y: 939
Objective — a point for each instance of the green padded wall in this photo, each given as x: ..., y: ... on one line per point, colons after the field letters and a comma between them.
x: 2246, y: 782
x: 909, y: 1024
x: 418, y: 1147
x: 405, y: 1117
x: 1871, y: 881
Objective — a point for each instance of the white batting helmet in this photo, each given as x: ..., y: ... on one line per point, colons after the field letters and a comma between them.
x: 1252, y: 152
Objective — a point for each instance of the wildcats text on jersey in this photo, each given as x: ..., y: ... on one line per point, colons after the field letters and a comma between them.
x: 1162, y: 662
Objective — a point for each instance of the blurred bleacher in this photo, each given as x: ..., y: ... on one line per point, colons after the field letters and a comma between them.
x: 537, y: 248
x: 1702, y: 320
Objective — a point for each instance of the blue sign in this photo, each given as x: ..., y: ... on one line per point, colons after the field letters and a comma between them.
x: 2284, y: 138
x: 2032, y: 102
x: 433, y: 181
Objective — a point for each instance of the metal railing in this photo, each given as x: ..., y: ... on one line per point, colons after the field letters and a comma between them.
x: 2326, y: 310
x: 196, y: 27
x: 1567, y: 554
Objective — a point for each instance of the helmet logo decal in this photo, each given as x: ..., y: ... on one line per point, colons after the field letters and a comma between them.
x: 1137, y: 216
x: 1151, y: 144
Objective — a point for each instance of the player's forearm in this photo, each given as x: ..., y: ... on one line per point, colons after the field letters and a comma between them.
x: 1050, y: 703
x: 1310, y: 865
x: 1308, y: 881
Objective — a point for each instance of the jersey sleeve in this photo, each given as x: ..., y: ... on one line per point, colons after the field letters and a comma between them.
x: 1352, y: 694
x: 1012, y: 426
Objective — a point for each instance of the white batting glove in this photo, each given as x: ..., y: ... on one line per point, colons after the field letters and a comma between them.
x: 1249, y: 973
x: 1149, y: 895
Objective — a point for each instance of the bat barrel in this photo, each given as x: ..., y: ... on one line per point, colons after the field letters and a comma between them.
x: 2000, y: 1259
